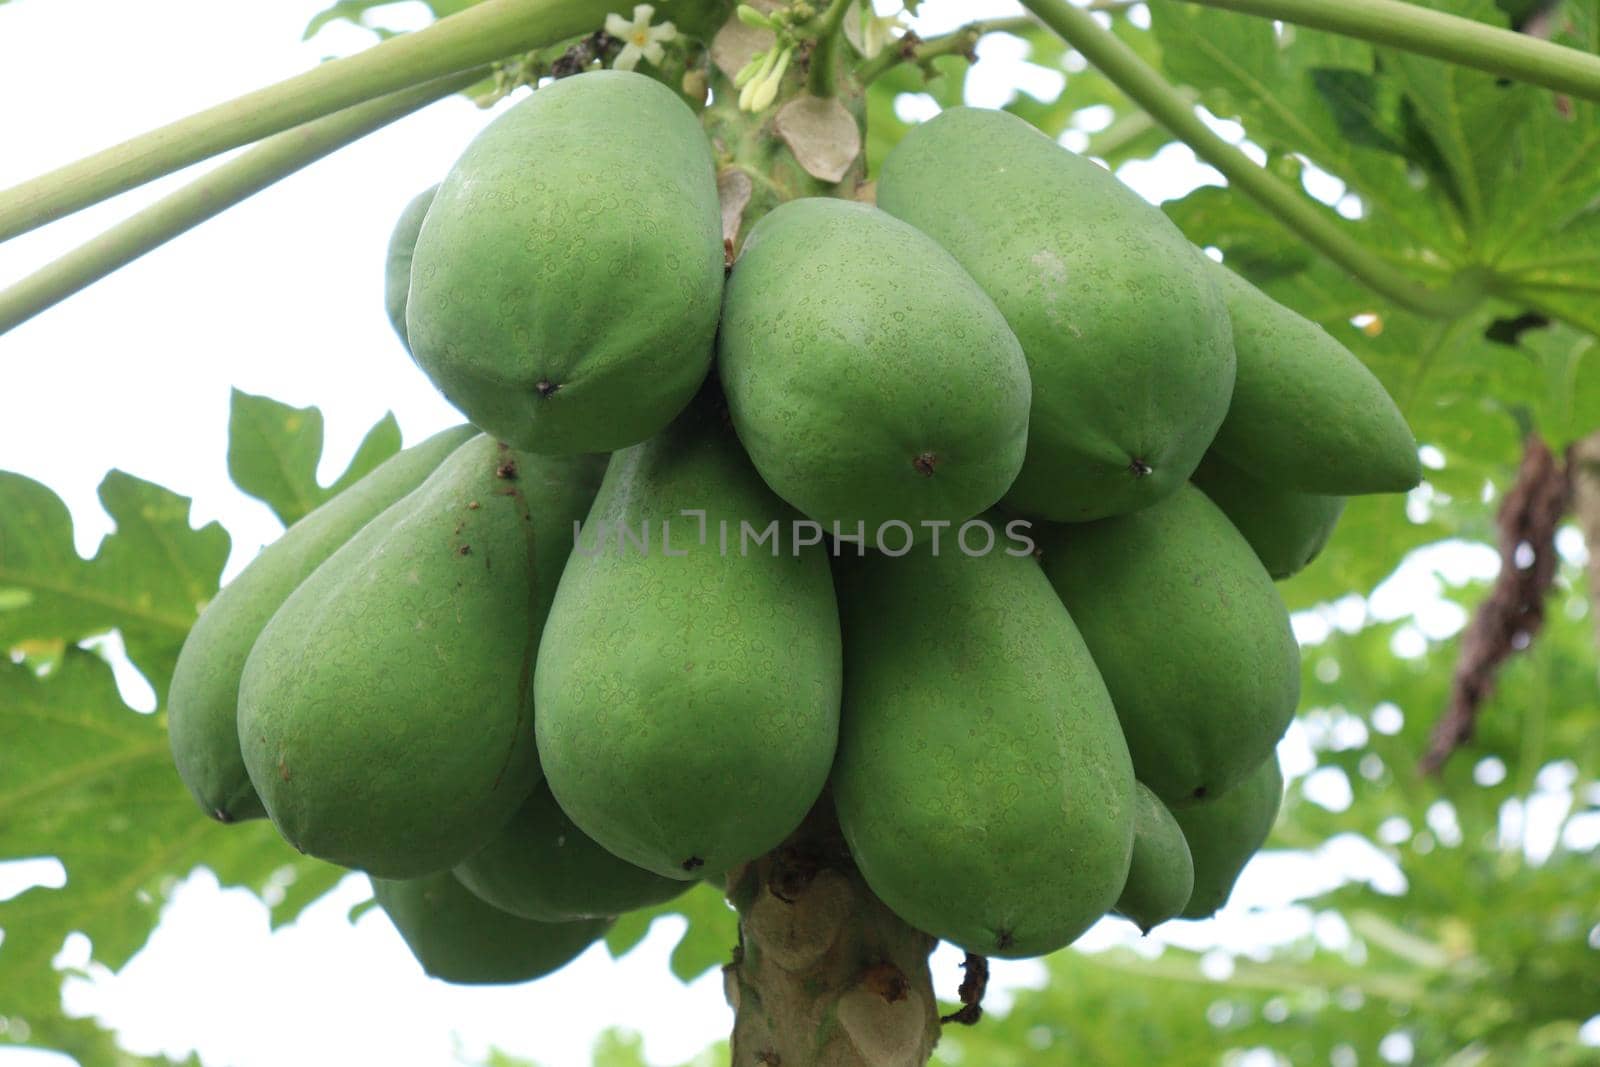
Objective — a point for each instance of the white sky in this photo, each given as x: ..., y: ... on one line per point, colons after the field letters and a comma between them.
x: 283, y: 296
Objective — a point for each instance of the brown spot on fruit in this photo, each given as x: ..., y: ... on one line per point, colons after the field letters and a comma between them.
x: 1004, y: 939
x: 507, y: 470
x: 283, y: 769
x: 926, y: 463
x: 1139, y: 467
x: 464, y: 550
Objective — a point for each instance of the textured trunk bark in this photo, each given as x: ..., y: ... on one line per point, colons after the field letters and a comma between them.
x: 825, y: 975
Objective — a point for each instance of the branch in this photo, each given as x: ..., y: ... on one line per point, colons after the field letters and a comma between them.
x: 1433, y: 33
x: 478, y: 35
x: 1508, y: 620
x: 271, y: 160
x: 959, y: 42
x: 1146, y: 87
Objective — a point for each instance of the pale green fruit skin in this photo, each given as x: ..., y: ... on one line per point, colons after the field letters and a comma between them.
x: 1306, y: 413
x: 1126, y: 337
x: 574, y: 249
x: 1161, y: 876
x: 1190, y: 635
x: 853, y: 348
x: 541, y: 866
x: 397, y: 260
x: 203, y: 700
x: 459, y: 938
x: 385, y: 712
x: 982, y: 781
x: 688, y: 705
x: 1224, y: 832
x: 1286, y: 529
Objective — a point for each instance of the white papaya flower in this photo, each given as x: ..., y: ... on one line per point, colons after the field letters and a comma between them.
x: 867, y: 31
x: 640, y: 40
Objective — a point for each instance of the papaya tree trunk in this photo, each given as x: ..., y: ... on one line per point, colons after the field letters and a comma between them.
x: 825, y: 975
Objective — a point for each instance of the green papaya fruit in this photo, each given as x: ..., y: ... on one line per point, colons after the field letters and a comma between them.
x: 203, y: 699
x: 540, y: 866
x: 688, y: 691
x: 1306, y: 413
x: 868, y: 376
x: 385, y: 712
x: 397, y: 264
x: 1287, y: 529
x: 459, y: 938
x: 982, y: 782
x: 1126, y: 337
x: 1224, y: 832
x: 1190, y: 636
x: 567, y: 280
x: 1161, y: 876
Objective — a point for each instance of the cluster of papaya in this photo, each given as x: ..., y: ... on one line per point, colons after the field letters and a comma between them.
x: 959, y: 513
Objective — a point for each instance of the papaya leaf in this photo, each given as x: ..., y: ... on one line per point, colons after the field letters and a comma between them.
x: 149, y: 579
x: 273, y: 451
x: 381, y: 442
x: 90, y: 782
x: 86, y: 1041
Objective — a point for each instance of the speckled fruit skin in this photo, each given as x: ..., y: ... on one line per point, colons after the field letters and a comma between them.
x: 459, y: 938
x: 1223, y: 833
x: 384, y: 713
x: 982, y: 782
x: 870, y: 379
x: 567, y: 279
x: 541, y: 866
x: 203, y: 700
x: 688, y: 704
x: 1287, y: 529
x: 1306, y: 413
x: 1189, y: 634
x: 1126, y: 337
x: 1161, y: 876
x: 397, y: 262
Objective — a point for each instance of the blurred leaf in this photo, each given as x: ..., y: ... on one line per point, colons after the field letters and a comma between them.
x: 884, y: 126
x: 86, y: 1041
x: 355, y: 11
x: 707, y: 942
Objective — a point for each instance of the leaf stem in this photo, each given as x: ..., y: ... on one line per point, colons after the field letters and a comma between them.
x: 482, y: 33
x: 1145, y: 87
x: 820, y: 77
x: 958, y: 42
x: 1464, y: 41
x: 275, y: 158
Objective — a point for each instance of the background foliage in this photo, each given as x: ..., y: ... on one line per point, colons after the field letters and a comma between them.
x: 1482, y: 945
